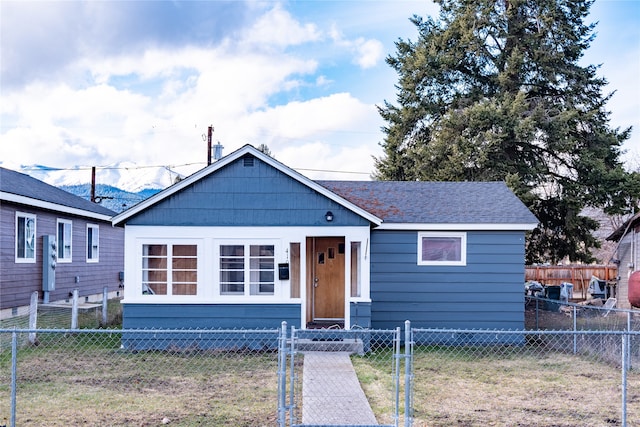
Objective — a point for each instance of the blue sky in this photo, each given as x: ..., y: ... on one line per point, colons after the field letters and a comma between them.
x: 137, y: 83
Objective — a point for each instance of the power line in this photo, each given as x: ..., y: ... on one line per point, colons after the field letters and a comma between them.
x: 88, y: 168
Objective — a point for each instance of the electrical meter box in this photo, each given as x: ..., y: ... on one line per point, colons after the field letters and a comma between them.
x: 49, y: 260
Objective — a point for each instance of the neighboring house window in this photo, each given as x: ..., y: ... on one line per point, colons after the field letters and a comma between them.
x: 64, y: 240
x: 25, y: 237
x: 169, y: 269
x: 93, y: 240
x: 442, y: 248
x: 247, y: 269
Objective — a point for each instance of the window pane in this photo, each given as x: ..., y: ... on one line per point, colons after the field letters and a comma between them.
x: 232, y: 288
x: 30, y: 238
x: 262, y: 269
x: 154, y: 270
x: 64, y: 240
x: 154, y: 263
x: 262, y: 250
x: 232, y: 263
x: 21, y: 237
x: 232, y: 276
x: 154, y: 250
x: 441, y: 248
x: 261, y: 263
x: 170, y: 269
x: 262, y: 288
x: 185, y: 250
x: 185, y: 263
x: 184, y: 276
x: 154, y: 288
x: 89, y: 240
x: 355, y: 269
x: 184, y: 289
x: 232, y: 250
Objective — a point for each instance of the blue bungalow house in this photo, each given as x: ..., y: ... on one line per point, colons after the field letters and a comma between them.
x: 248, y: 242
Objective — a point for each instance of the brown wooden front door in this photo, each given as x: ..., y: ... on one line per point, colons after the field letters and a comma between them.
x: 325, y: 281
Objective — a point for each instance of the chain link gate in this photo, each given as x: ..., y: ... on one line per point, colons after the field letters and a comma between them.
x: 344, y: 377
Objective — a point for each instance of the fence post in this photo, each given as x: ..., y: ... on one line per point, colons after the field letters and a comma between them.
x: 625, y: 343
x: 629, y: 343
x: 575, y: 330
x: 408, y: 345
x: 14, y: 374
x: 397, y: 354
x: 74, y: 310
x: 537, y: 327
x: 282, y: 355
x: 105, y: 298
x: 292, y: 375
x: 33, y: 316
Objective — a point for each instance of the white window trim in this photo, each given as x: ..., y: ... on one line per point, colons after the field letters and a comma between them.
x: 60, y: 247
x: 463, y: 248
x: 247, y: 296
x: 170, y: 296
x: 25, y: 260
x: 96, y: 229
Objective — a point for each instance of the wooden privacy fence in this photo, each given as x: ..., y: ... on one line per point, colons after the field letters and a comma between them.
x: 578, y: 275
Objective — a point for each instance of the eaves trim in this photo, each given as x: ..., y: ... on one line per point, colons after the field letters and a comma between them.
x: 458, y: 227
x: 28, y: 201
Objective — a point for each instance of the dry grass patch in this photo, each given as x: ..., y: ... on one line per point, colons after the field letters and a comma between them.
x: 97, y: 386
x: 504, y: 386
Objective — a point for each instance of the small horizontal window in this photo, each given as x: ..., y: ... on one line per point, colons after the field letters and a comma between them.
x: 442, y: 248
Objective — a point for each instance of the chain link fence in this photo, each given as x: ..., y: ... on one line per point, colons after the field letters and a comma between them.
x: 99, y: 377
x: 401, y: 377
x: 526, y: 378
x: 549, y: 314
x: 345, y: 377
x: 71, y: 314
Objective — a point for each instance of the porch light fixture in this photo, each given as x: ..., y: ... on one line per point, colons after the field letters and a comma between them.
x: 328, y: 216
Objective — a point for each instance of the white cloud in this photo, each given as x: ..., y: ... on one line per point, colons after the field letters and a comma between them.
x: 366, y: 53
x: 369, y: 52
x: 278, y: 28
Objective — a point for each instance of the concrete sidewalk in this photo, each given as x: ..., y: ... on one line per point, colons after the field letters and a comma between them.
x: 331, y: 392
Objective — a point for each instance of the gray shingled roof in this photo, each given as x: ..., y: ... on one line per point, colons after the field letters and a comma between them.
x: 435, y: 202
x: 23, y: 185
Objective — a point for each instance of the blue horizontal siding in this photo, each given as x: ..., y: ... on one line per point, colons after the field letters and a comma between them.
x: 488, y: 292
x: 360, y: 313
x: 209, y: 316
x: 236, y: 195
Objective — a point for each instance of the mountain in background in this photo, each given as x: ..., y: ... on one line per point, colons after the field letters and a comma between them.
x: 126, y: 176
x: 118, y: 186
x: 111, y: 197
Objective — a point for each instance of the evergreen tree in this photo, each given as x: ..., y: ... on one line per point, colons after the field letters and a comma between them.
x: 493, y: 90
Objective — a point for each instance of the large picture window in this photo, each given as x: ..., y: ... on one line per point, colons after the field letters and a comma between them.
x: 93, y: 243
x: 25, y: 237
x: 442, y: 248
x: 247, y: 269
x: 169, y: 269
x: 64, y: 240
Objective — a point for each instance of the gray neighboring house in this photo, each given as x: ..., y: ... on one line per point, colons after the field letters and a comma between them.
x: 38, y: 221
x: 248, y: 242
x: 627, y: 255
